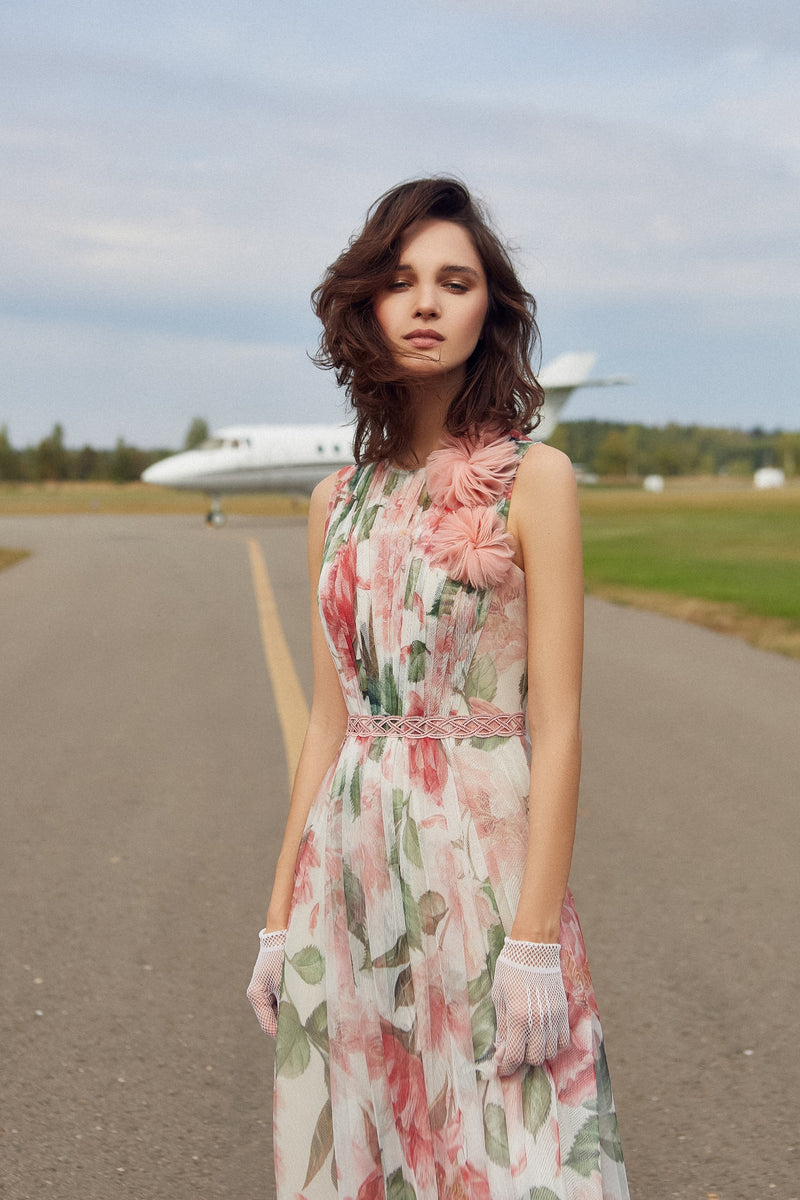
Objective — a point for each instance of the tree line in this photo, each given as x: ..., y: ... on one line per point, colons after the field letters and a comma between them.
x: 51, y: 460
x: 606, y: 448
x: 615, y: 449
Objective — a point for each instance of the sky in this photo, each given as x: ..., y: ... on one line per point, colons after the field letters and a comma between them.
x: 177, y: 174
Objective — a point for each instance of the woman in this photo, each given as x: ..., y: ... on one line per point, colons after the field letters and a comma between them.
x: 422, y: 964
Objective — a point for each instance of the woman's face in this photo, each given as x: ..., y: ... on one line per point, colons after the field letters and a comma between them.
x: 432, y: 311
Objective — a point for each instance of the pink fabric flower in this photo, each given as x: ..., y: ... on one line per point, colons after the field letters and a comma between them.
x: 471, y: 470
x: 472, y: 546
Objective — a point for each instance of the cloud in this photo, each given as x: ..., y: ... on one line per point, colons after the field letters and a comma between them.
x: 683, y: 22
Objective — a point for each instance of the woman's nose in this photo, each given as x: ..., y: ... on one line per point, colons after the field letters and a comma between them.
x: 427, y: 306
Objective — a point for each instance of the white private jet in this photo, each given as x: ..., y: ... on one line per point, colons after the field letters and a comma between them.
x: 281, y: 458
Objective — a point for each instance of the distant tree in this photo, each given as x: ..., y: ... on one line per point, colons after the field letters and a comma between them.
x: 86, y: 463
x: 788, y: 445
x: 197, y: 433
x: 613, y: 454
x: 52, y: 461
x: 126, y: 463
x: 10, y: 459
x: 560, y: 438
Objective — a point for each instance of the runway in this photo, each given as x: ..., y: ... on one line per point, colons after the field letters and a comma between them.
x: 144, y: 782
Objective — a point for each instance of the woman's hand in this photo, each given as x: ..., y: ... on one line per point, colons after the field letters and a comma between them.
x: 531, y: 1005
x: 264, y: 988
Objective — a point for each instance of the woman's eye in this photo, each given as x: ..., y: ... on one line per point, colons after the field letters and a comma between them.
x: 398, y: 285
x: 455, y: 285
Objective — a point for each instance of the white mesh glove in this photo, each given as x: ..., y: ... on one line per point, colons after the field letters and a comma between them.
x: 531, y: 1005
x: 264, y: 988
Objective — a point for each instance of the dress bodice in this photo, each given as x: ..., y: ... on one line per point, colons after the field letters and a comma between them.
x: 407, y: 638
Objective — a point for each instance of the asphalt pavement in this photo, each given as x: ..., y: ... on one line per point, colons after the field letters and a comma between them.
x: 143, y: 785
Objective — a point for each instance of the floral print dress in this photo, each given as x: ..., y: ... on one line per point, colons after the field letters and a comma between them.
x: 410, y: 867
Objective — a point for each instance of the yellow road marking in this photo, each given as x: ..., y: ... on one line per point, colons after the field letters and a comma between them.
x: 289, y: 698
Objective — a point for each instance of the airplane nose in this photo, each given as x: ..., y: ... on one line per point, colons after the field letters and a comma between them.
x: 156, y: 472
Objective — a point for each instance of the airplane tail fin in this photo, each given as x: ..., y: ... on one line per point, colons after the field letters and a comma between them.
x: 569, y: 370
x: 560, y: 378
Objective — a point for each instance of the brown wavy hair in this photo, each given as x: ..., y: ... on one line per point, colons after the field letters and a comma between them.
x: 500, y: 387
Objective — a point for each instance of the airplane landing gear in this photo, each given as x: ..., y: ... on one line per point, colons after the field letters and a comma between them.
x: 215, y: 518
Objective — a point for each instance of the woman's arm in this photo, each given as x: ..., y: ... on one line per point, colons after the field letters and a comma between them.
x: 326, y: 726
x: 545, y: 520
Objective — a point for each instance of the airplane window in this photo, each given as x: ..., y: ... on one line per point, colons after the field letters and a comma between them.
x: 235, y: 443
x: 320, y: 449
x: 336, y: 449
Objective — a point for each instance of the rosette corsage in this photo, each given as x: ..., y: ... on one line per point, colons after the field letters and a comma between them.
x: 467, y: 477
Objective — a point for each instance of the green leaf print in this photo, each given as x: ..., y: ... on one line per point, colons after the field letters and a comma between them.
x: 496, y: 1135
x: 309, y: 964
x: 609, y: 1129
x: 317, y: 1027
x: 488, y: 892
x: 536, y: 1099
x: 394, y: 957
x: 411, y: 847
x: 376, y: 749
x: 411, y: 583
x: 337, y: 787
x: 484, y: 1028
x: 397, y: 1188
x: 543, y: 1193
x: 390, y: 697
x: 392, y: 482
x: 292, y: 1051
x: 355, y: 792
x: 404, y: 989
x: 411, y: 914
x: 321, y: 1143
x: 432, y: 909
x: 355, y: 905
x: 417, y: 656
x: 479, y: 987
x: 487, y: 743
x: 367, y: 521
x: 443, y: 600
x: 496, y: 938
x: 399, y: 806
x: 584, y: 1155
x: 481, y: 683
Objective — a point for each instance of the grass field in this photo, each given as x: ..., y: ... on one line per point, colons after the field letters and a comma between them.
x: 721, y: 555
x: 725, y: 558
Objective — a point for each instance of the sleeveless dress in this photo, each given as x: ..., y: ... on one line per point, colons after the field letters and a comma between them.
x: 409, y: 872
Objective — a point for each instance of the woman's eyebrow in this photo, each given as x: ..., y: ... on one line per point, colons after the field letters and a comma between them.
x: 455, y: 268
x: 446, y: 270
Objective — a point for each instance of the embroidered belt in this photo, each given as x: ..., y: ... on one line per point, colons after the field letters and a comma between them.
x: 383, y: 725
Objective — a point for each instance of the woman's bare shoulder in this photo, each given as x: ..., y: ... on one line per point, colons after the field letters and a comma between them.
x: 544, y: 469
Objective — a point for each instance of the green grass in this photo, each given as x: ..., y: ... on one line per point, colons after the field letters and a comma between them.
x: 739, y: 548
x: 721, y: 557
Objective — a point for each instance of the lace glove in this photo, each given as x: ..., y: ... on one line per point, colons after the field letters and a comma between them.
x: 531, y: 1005
x: 264, y: 988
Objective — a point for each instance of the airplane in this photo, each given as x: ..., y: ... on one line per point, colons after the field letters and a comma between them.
x: 280, y: 458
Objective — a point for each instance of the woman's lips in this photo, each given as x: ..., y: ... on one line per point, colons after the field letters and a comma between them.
x: 423, y: 339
